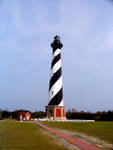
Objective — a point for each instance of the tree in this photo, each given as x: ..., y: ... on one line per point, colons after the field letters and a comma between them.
x: 38, y: 114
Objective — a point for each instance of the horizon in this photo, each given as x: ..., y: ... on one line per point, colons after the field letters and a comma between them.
x: 66, y: 110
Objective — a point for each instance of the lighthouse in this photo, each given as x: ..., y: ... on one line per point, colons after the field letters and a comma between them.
x: 55, y: 109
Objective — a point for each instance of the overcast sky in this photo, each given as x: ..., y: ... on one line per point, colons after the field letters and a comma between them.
x: 27, y: 28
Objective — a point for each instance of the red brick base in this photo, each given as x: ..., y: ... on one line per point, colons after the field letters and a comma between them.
x: 55, y: 112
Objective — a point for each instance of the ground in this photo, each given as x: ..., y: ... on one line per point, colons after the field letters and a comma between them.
x: 25, y: 136
x: 103, y: 130
x: 15, y: 135
x: 96, y: 133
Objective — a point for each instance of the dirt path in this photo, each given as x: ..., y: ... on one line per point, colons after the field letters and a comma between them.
x: 60, y: 141
x: 105, y: 145
x: 77, y: 142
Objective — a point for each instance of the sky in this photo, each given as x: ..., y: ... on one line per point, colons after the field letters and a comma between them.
x: 27, y: 28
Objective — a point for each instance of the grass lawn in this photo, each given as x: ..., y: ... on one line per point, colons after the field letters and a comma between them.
x: 103, y: 130
x: 25, y: 136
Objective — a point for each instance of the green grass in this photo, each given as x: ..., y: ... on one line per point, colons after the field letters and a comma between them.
x: 103, y: 130
x: 25, y: 136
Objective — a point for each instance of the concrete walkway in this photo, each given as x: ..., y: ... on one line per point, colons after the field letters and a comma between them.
x: 81, y: 144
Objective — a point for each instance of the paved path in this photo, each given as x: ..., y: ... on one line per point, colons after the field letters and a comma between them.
x: 81, y: 144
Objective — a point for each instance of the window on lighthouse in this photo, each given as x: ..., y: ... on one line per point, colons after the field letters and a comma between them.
x: 52, y: 92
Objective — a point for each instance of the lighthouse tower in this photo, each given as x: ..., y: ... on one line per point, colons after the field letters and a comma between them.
x: 55, y: 109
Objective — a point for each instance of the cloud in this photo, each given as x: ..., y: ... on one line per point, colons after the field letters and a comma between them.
x: 108, y: 42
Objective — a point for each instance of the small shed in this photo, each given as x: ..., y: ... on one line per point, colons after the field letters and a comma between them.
x: 24, y: 115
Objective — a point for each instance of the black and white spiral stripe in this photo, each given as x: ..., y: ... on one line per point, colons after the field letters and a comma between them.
x: 55, y: 86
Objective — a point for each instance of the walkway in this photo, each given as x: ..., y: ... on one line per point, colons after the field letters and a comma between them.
x: 81, y: 144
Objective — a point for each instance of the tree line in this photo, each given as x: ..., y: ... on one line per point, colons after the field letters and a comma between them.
x: 98, y: 116
x: 5, y: 114
x: 70, y: 114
